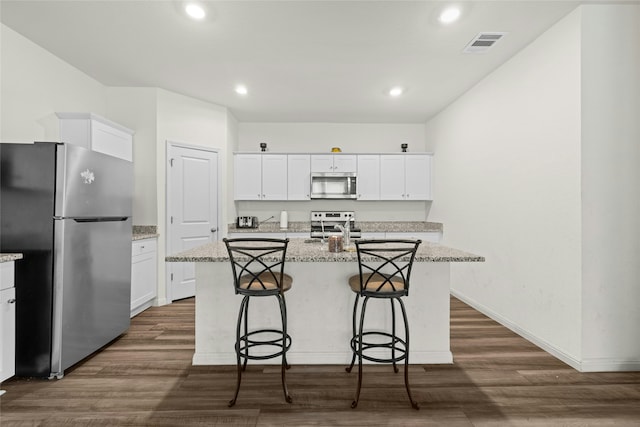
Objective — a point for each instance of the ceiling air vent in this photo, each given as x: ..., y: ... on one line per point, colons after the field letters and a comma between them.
x: 483, y: 42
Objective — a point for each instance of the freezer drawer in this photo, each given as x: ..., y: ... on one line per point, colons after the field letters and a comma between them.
x: 92, y: 288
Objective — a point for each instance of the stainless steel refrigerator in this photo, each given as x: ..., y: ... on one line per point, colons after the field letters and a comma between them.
x: 68, y: 210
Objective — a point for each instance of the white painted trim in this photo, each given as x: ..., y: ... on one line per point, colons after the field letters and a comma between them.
x: 610, y: 365
x: 92, y: 116
x: 549, y: 348
x: 160, y: 302
x: 328, y: 358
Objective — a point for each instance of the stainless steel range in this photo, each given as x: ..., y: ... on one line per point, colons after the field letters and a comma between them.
x: 324, y: 223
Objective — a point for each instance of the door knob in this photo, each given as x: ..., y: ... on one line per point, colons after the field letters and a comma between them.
x: 11, y: 301
x: 214, y: 229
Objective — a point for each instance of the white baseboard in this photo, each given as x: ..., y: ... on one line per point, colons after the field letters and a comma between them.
x: 160, y: 302
x: 335, y: 358
x: 610, y: 365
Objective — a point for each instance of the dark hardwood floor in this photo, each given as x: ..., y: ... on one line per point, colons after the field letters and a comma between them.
x: 146, y: 378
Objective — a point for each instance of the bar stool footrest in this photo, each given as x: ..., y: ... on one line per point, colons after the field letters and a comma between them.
x: 252, y: 341
x: 392, y: 343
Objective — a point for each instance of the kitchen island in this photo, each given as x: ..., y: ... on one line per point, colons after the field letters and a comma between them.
x: 320, y: 304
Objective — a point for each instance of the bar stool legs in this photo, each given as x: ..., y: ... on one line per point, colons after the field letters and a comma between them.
x: 396, y: 344
x: 244, y: 343
x: 285, y: 364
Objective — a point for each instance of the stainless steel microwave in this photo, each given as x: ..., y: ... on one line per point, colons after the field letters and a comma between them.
x: 333, y: 185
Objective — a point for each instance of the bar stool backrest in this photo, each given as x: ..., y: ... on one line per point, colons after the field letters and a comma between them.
x: 258, y: 265
x: 385, y: 266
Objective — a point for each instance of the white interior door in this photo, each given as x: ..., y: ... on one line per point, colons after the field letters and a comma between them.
x: 192, y: 211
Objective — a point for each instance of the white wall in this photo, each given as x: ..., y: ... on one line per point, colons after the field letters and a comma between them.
x: 135, y: 108
x: 610, y: 176
x: 320, y: 138
x: 34, y: 85
x: 536, y: 169
x: 507, y: 176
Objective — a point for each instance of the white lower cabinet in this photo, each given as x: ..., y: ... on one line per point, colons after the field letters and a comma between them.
x: 144, y: 274
x: 7, y: 321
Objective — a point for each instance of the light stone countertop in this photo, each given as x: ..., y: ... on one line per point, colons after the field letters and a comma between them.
x: 9, y: 257
x: 142, y: 236
x: 300, y: 250
x: 141, y: 232
x: 365, y: 226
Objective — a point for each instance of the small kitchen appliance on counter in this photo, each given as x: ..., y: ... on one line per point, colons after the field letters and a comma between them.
x: 247, y: 222
x: 323, y: 223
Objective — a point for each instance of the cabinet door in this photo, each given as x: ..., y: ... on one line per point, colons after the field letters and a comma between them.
x: 7, y: 333
x: 274, y: 177
x: 247, y: 176
x: 392, y: 177
x: 322, y: 163
x: 298, y: 176
x: 109, y: 140
x: 143, y: 274
x: 345, y: 163
x: 418, y: 177
x: 368, y: 177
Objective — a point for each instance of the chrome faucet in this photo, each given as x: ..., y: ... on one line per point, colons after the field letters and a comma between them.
x: 346, y: 232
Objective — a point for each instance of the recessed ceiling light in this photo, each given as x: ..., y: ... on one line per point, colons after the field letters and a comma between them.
x: 241, y: 90
x: 195, y: 11
x: 449, y: 15
x: 396, y: 91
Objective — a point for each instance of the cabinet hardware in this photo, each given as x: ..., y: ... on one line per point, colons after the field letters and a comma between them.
x: 11, y: 301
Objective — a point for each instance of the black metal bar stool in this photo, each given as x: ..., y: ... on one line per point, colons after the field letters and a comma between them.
x: 384, y: 271
x: 258, y: 271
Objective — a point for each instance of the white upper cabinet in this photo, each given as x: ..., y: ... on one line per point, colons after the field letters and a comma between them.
x: 368, y: 177
x: 405, y: 177
x: 260, y: 177
x: 247, y: 176
x: 401, y: 176
x: 274, y: 177
x: 298, y: 176
x: 96, y: 133
x: 418, y: 176
x: 334, y: 163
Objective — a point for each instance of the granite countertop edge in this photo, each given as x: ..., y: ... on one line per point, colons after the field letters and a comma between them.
x: 141, y: 232
x: 300, y: 251
x: 10, y: 257
x: 142, y: 236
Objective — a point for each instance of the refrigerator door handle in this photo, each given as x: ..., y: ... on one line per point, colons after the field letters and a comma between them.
x: 102, y: 219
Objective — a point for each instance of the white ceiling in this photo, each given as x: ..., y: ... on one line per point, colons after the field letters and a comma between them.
x: 302, y: 61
